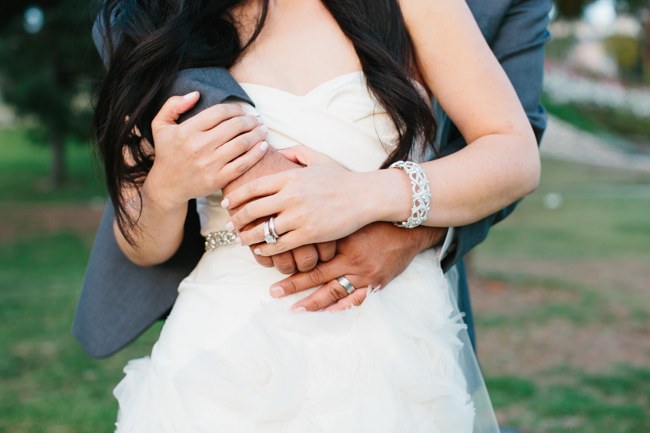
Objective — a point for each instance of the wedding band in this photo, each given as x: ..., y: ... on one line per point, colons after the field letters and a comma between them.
x: 346, y: 284
x: 272, y: 228
x: 269, y: 237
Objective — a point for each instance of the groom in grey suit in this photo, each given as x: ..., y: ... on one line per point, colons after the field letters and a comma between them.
x: 120, y: 300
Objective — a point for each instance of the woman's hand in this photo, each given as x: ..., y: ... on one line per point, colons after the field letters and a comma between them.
x: 301, y: 259
x: 321, y: 202
x: 202, y: 154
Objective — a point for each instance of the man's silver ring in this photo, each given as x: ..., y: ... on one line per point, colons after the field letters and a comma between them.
x: 346, y: 284
x: 272, y: 228
x: 269, y: 238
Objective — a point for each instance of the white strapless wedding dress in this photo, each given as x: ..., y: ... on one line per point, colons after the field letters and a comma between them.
x: 232, y: 359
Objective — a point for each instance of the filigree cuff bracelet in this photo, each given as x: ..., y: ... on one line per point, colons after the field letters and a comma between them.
x: 420, y: 193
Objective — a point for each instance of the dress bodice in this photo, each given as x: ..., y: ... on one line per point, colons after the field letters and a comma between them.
x: 339, y: 118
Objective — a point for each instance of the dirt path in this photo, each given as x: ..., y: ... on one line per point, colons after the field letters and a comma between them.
x: 593, y: 317
x: 20, y: 220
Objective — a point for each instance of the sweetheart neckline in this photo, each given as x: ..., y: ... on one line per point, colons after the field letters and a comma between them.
x: 318, y: 87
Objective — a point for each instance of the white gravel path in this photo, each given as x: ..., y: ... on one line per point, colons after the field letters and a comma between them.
x: 564, y: 141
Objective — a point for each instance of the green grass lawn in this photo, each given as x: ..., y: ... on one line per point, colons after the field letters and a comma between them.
x: 563, y: 343
x: 562, y: 305
x: 604, y: 213
x: 47, y: 382
x: 24, y: 171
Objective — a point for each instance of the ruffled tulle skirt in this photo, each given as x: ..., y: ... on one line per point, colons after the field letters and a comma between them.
x: 232, y: 359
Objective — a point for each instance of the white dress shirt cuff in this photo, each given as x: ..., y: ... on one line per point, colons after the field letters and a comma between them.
x: 449, y: 239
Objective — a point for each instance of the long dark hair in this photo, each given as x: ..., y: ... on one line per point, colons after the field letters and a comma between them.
x: 148, y: 41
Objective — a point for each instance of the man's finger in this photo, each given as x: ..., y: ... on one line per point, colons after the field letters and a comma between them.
x: 326, y: 250
x: 321, y: 274
x: 326, y: 295
x: 306, y: 257
x: 267, y: 262
x: 284, y: 263
x: 354, y: 300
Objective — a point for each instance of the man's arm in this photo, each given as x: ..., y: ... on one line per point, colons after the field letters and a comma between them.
x: 517, y: 33
x: 519, y: 46
x: 119, y: 300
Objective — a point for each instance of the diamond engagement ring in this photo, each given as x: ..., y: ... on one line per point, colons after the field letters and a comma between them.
x: 270, y: 236
x: 346, y: 284
x: 272, y: 228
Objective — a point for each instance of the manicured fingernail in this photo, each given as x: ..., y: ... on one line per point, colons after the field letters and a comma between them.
x: 264, y: 128
x: 224, y: 203
x: 264, y: 146
x: 259, y: 119
x: 300, y: 309
x: 257, y: 251
x: 277, y: 291
x: 190, y: 95
x: 238, y: 241
x: 230, y: 226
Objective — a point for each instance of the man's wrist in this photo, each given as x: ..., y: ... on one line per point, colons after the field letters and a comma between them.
x: 448, y: 243
x: 271, y: 162
x: 420, y: 238
x: 431, y: 236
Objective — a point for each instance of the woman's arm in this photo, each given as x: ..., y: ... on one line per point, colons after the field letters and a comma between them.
x: 518, y: 43
x: 499, y: 166
x: 501, y: 162
x: 192, y: 159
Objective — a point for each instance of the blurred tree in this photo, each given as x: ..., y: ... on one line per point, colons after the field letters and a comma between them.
x: 47, y: 64
x: 571, y: 9
x: 633, y: 5
x: 627, y: 52
x: 641, y: 10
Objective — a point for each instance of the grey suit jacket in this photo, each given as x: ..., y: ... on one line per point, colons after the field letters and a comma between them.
x: 120, y: 300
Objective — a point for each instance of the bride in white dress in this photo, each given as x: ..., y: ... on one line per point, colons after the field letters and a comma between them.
x: 230, y: 357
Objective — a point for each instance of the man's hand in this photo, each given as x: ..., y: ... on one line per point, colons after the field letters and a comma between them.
x: 300, y: 259
x: 369, y: 258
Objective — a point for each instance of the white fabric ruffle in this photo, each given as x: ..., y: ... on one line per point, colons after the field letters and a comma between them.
x: 390, y: 365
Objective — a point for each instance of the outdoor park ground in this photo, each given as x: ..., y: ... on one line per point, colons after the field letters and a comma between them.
x: 560, y: 295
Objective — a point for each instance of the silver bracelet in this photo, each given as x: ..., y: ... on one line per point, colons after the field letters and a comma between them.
x: 420, y: 193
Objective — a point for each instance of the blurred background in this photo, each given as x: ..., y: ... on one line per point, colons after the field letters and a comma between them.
x: 560, y: 289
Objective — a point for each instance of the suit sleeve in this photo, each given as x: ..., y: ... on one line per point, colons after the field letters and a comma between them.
x: 120, y: 300
x: 519, y: 46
